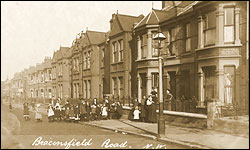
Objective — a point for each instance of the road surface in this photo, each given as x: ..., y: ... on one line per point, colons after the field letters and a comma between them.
x: 34, y: 135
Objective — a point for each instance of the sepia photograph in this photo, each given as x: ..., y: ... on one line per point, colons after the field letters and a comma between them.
x: 124, y: 74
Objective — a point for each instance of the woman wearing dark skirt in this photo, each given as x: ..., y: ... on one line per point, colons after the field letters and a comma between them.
x: 26, y: 114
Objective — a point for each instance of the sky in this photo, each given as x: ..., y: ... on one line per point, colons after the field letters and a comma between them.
x: 32, y: 30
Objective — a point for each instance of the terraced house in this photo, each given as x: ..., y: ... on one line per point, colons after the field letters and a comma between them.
x: 61, y: 68
x: 90, y: 65
x: 206, y: 43
x: 120, y: 56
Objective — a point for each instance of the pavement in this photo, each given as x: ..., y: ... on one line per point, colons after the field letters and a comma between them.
x: 190, y: 137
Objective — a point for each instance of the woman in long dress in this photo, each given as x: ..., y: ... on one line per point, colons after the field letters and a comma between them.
x: 38, y: 115
x: 26, y: 114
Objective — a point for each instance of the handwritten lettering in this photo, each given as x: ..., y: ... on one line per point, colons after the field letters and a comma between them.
x: 108, y: 144
x: 73, y: 142
x: 151, y: 146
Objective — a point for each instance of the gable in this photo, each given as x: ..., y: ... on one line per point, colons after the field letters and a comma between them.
x: 116, y: 27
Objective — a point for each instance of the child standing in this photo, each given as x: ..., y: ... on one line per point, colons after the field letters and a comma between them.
x: 50, y: 113
x: 104, y: 111
x: 136, y: 113
x: 38, y: 115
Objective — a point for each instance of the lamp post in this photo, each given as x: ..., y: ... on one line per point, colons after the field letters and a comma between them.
x: 161, y: 121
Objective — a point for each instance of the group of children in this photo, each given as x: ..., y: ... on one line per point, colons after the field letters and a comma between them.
x: 84, y: 111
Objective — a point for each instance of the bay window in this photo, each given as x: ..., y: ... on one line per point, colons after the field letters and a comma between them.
x: 155, y: 47
x: 114, y: 52
x: 120, y: 49
x: 209, y: 29
x: 228, y: 25
x: 144, y: 46
x: 188, y: 37
x: 173, y: 33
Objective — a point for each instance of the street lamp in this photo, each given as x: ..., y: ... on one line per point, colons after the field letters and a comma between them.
x: 161, y: 121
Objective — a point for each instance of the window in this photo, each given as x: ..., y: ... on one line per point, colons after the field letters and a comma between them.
x: 84, y: 61
x: 188, y: 37
x: 50, y: 75
x: 209, y: 82
x: 85, y: 89
x: 228, y: 25
x: 103, y: 52
x: 229, y: 82
x: 77, y: 90
x: 144, y: 46
x: 120, y: 49
x: 77, y: 63
x: 74, y: 63
x: 155, y: 80
x: 155, y: 46
x: 114, y: 51
x: 209, y: 29
x: 89, y: 57
x: 113, y: 85
x: 120, y: 87
x: 173, y: 34
x: 89, y: 88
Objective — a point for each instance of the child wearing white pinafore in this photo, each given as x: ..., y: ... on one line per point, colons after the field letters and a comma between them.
x: 136, y: 114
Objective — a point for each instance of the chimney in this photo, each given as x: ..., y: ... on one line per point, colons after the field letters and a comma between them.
x: 168, y: 4
x: 111, y: 21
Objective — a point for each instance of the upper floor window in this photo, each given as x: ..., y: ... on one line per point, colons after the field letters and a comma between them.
x: 155, y: 46
x: 114, y: 51
x: 188, y: 37
x: 120, y: 49
x: 228, y: 25
x: 173, y: 34
x: 85, y: 60
x: 144, y: 46
x: 89, y: 57
x: 209, y: 29
x: 102, y: 61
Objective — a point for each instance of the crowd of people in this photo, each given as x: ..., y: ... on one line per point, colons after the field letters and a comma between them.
x: 82, y: 110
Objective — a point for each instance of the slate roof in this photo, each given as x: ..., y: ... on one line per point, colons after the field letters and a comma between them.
x: 95, y: 37
x: 153, y: 18
x: 126, y: 22
x: 183, y: 8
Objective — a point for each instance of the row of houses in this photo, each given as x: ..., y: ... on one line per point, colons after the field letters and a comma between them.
x: 205, y: 56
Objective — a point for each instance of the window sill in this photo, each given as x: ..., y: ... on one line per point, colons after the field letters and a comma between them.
x: 120, y: 62
x: 86, y: 69
x: 186, y: 53
x: 147, y: 59
x: 218, y: 46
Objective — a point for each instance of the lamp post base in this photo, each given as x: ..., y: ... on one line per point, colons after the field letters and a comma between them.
x: 161, y: 122
x: 161, y: 127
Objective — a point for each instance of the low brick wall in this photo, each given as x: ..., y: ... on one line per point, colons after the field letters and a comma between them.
x: 231, y: 126
x: 178, y: 118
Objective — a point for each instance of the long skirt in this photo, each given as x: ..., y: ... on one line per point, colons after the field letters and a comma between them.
x: 38, y: 115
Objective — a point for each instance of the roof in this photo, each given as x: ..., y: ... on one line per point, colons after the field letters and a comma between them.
x: 55, y: 56
x: 95, y: 37
x: 47, y: 63
x: 39, y: 67
x: 183, y: 8
x: 62, y: 52
x: 153, y: 18
x: 106, y: 38
x: 69, y: 52
x: 125, y: 22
